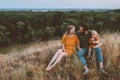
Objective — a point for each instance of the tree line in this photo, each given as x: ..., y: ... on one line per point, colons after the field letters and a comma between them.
x: 27, y: 26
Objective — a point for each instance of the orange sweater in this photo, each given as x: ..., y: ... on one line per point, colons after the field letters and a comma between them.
x: 70, y: 43
x: 91, y: 40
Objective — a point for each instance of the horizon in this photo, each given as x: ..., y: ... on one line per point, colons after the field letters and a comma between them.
x: 58, y: 8
x: 53, y: 9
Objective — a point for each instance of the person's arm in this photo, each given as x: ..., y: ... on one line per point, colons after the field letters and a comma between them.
x: 78, y: 42
x: 63, y: 43
x: 98, y: 45
x: 90, y: 40
x: 63, y: 48
x: 96, y: 40
x: 78, y: 46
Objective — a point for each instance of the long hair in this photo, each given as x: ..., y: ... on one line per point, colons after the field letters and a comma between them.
x: 69, y: 27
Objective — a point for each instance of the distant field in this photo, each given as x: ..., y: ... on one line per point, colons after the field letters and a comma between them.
x: 51, y: 9
x: 18, y: 47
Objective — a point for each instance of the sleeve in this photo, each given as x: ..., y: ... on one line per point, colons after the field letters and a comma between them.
x: 63, y: 39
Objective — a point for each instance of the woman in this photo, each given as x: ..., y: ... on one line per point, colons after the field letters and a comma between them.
x: 69, y: 43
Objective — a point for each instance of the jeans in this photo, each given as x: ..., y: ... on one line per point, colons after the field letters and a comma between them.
x: 98, y: 51
x: 81, y: 55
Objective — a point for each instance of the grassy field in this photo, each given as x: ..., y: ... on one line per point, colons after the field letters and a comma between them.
x: 29, y: 63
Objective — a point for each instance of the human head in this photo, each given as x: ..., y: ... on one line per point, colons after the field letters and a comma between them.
x: 70, y: 29
x: 84, y: 27
x: 94, y: 33
x: 81, y: 29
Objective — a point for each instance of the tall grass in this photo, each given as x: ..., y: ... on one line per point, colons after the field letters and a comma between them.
x: 30, y: 63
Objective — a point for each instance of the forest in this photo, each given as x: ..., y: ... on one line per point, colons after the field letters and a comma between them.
x: 27, y: 26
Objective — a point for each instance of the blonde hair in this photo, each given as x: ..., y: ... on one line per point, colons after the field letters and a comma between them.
x: 94, y: 32
x: 69, y: 27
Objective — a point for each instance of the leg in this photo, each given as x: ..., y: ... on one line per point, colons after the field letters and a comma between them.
x: 62, y: 54
x: 98, y: 51
x: 81, y: 54
x: 55, y: 57
x: 100, y: 59
x: 89, y: 52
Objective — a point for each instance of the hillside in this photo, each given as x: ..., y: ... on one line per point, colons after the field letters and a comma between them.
x: 30, y: 62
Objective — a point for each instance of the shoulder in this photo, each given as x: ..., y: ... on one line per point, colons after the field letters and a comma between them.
x: 78, y: 32
x: 75, y: 36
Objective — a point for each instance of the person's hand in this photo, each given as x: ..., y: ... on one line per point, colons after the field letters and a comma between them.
x: 79, y: 48
x: 92, y: 39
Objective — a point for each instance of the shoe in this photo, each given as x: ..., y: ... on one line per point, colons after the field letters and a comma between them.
x: 86, y: 72
x: 103, y: 71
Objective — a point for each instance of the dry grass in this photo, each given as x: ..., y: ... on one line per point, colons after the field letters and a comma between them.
x: 30, y: 63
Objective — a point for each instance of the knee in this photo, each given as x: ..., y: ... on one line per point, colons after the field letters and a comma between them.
x: 98, y: 49
x: 63, y: 54
x: 59, y: 50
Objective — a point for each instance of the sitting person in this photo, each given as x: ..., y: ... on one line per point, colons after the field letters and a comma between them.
x: 69, y: 42
x: 94, y: 41
x: 84, y: 36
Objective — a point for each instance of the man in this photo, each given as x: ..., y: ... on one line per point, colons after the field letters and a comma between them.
x: 84, y: 35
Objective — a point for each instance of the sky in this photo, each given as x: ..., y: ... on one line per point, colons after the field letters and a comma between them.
x: 102, y: 4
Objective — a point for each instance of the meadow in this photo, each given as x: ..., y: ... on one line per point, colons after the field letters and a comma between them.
x: 29, y: 63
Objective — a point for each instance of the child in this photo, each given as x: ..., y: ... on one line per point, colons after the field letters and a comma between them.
x: 94, y: 41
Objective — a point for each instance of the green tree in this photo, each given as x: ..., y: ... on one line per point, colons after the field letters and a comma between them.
x: 4, y: 36
x: 49, y: 33
x: 21, y: 29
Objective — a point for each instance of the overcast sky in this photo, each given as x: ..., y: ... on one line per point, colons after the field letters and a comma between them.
x: 109, y: 4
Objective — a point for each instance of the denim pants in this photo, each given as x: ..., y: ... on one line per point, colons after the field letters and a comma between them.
x: 81, y: 55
